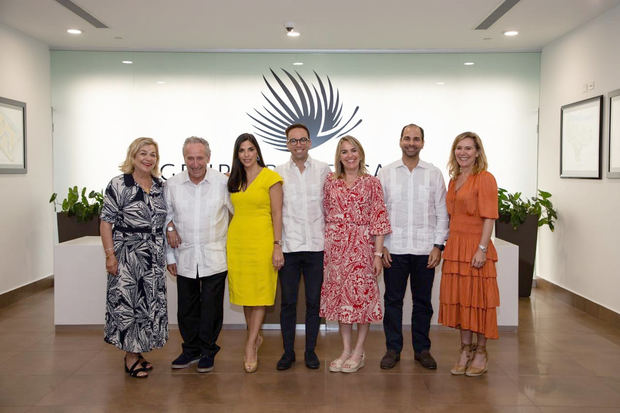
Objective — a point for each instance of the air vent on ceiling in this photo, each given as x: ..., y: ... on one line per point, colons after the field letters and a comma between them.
x: 497, y: 14
x: 82, y: 13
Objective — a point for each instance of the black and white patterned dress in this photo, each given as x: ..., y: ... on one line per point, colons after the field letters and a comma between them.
x: 136, y: 318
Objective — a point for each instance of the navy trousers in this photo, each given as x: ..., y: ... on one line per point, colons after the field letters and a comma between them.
x: 201, y: 313
x: 422, y: 278
x: 310, y: 264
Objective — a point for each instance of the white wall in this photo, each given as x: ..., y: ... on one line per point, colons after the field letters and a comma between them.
x: 581, y: 254
x: 100, y: 105
x: 26, y: 229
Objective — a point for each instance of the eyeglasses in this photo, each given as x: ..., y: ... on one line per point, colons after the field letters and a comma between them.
x: 296, y: 141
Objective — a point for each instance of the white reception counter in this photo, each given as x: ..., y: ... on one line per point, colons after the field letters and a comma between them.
x: 80, y: 283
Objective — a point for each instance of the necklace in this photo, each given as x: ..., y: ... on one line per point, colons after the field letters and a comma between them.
x: 144, y: 183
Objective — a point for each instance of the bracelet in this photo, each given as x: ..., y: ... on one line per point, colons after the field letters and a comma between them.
x: 108, y: 249
x: 483, y: 248
x: 379, y: 254
x: 278, y: 242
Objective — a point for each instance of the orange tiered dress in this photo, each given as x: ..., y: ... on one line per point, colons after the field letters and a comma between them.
x: 469, y: 296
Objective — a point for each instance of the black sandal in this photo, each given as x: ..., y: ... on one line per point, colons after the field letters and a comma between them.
x: 135, y: 372
x: 145, y: 363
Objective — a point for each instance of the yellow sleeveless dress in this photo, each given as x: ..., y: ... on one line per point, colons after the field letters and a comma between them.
x: 252, y: 279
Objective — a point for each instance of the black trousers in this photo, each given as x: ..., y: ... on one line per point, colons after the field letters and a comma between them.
x: 201, y: 313
x: 395, y: 279
x: 310, y: 264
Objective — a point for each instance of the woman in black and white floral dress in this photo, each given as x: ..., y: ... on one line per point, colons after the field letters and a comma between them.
x: 132, y: 222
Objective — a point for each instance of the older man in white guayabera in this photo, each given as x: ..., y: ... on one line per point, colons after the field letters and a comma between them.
x: 198, y: 213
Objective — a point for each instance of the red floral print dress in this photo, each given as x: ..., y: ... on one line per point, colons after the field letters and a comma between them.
x: 353, y: 216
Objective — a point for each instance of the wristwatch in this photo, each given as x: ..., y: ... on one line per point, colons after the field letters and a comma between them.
x: 440, y: 247
x: 483, y: 248
x: 278, y: 242
x: 379, y: 254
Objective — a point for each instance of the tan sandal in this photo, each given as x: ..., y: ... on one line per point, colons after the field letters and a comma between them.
x: 478, y: 371
x: 460, y: 369
x: 350, y: 366
x: 336, y: 365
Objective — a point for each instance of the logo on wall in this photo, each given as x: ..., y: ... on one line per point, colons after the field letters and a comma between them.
x: 318, y: 106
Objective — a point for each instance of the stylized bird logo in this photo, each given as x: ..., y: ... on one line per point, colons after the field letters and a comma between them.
x: 320, y: 111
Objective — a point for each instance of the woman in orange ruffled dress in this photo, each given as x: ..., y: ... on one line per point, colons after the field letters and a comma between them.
x: 469, y: 294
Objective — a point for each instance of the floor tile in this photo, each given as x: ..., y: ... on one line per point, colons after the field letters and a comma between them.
x: 560, y: 360
x: 45, y: 363
x: 26, y: 390
x: 568, y: 391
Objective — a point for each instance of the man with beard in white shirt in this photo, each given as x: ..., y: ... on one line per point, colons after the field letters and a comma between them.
x: 415, y: 196
x: 302, y: 243
x: 198, y: 212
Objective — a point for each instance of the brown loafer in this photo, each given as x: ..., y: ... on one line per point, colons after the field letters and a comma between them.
x: 390, y: 359
x: 426, y: 359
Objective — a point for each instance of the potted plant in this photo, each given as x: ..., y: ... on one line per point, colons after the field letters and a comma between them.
x: 519, y: 219
x: 79, y: 215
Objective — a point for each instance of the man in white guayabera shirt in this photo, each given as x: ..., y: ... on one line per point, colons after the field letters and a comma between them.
x: 415, y: 196
x: 302, y: 243
x: 198, y: 211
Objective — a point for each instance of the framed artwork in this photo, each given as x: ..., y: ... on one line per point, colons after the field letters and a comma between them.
x: 580, y: 139
x: 613, y: 164
x: 12, y: 136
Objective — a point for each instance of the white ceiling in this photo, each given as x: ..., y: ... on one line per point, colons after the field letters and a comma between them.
x: 393, y: 25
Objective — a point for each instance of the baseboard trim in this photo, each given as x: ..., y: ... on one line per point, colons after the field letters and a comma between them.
x: 24, y: 291
x: 579, y: 302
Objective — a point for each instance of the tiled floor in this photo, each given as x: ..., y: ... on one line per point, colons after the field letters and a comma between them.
x: 561, y: 360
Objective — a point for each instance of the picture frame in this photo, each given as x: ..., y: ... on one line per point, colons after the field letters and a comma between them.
x: 12, y: 136
x: 613, y: 158
x: 581, y: 139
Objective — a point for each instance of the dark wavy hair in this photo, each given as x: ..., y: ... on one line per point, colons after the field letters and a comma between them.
x: 238, y: 178
x: 295, y: 126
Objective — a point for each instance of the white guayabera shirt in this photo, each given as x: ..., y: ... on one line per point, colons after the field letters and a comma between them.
x: 416, y: 202
x: 303, y: 225
x: 200, y: 214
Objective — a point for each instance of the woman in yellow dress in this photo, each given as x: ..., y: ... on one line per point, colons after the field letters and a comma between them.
x: 254, y: 244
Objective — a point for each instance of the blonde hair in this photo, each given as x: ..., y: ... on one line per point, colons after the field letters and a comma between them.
x: 127, y: 166
x: 480, y: 163
x: 362, y: 163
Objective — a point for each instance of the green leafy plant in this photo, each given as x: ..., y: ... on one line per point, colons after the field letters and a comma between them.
x: 78, y: 204
x: 514, y: 209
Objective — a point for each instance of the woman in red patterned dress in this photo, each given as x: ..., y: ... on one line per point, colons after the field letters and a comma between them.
x: 356, y: 221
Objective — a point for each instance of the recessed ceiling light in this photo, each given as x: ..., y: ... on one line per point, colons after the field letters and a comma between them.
x: 469, y: 63
x: 440, y: 83
x: 160, y: 82
x: 74, y: 31
x: 511, y: 33
x: 298, y: 63
x: 127, y: 62
x: 118, y: 38
x: 290, y: 30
